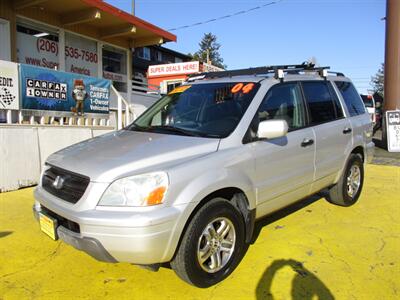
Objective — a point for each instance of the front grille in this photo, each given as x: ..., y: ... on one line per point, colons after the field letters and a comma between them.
x: 62, y: 221
x: 70, y: 187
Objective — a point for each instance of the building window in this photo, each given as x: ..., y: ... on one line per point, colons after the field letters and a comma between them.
x: 80, y: 55
x: 37, y: 46
x: 159, y: 56
x: 114, y: 67
x: 178, y: 60
x: 144, y: 53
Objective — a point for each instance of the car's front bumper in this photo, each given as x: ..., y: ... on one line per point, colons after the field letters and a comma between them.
x: 145, y: 237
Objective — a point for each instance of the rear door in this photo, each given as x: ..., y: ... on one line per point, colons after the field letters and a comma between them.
x: 332, y: 130
x: 357, y: 114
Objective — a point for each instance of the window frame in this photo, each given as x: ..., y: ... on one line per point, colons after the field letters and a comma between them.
x: 334, y: 98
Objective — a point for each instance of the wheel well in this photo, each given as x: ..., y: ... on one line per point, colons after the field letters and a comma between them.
x: 226, y: 193
x: 238, y: 199
x: 360, y: 151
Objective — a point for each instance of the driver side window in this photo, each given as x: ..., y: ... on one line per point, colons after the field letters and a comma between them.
x: 284, y: 102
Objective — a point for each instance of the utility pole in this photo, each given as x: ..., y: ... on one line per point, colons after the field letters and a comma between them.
x: 392, y: 60
x: 208, y: 56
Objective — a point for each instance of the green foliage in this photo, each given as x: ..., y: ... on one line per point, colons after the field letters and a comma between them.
x: 209, y: 44
x: 377, y: 81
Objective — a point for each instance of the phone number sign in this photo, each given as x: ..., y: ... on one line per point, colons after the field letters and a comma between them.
x: 393, y: 130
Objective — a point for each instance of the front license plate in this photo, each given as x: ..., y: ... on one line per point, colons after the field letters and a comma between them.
x: 48, y: 225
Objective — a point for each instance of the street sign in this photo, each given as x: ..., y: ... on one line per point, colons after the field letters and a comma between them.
x: 393, y: 130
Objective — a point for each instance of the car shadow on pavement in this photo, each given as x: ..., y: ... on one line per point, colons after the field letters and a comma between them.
x: 5, y: 233
x: 305, y: 285
x: 280, y: 214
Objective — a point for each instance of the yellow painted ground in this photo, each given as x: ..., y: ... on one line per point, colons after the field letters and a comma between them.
x: 318, y: 252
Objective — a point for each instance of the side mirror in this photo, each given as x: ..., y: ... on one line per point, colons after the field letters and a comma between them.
x: 272, y: 129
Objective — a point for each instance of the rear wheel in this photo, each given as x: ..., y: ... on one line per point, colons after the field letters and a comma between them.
x: 348, y: 189
x: 212, y: 245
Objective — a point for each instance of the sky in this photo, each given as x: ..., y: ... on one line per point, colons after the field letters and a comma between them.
x: 347, y: 35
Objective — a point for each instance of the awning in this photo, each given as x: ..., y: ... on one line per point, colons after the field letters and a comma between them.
x: 96, y: 19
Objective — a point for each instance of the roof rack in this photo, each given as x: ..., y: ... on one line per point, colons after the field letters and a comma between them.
x: 278, y: 70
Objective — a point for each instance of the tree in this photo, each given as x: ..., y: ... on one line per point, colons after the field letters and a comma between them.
x: 377, y: 81
x: 210, y: 47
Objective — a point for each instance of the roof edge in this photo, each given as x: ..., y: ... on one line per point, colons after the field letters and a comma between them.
x: 103, y: 6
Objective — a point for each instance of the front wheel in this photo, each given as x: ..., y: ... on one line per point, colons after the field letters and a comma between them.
x: 348, y: 189
x: 212, y: 246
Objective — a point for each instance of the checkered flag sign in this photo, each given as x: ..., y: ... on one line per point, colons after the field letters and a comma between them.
x: 6, y: 98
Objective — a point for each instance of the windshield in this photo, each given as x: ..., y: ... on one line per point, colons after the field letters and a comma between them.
x: 207, y: 110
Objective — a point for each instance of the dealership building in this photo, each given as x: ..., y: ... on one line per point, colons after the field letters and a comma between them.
x: 80, y: 43
x: 97, y: 39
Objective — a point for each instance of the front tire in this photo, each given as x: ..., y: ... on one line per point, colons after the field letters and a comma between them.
x: 348, y: 189
x: 212, y: 245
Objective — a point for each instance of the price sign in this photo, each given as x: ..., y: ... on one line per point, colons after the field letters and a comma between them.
x: 393, y: 130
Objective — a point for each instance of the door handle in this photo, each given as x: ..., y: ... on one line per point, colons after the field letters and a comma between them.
x: 307, y: 142
x: 347, y: 130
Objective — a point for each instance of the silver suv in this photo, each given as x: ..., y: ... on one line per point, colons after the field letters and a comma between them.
x: 185, y: 183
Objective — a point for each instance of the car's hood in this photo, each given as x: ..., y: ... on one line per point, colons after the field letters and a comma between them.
x: 124, y: 152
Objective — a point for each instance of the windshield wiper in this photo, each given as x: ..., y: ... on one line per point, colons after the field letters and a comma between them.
x: 174, y: 129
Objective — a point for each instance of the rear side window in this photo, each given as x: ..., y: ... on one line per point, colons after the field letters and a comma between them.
x: 352, y: 99
x: 323, y: 106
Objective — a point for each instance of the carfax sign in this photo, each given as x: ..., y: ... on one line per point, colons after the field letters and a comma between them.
x: 9, y: 87
x: 53, y: 91
x: 393, y: 130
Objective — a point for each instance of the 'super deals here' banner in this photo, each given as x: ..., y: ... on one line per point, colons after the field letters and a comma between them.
x: 48, y: 90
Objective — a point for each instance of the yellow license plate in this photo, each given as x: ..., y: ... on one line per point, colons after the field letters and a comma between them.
x: 48, y: 225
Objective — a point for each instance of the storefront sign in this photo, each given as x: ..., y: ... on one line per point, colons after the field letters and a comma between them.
x: 115, y: 76
x: 53, y: 91
x: 211, y: 68
x: 393, y: 130
x: 174, y: 69
x: 9, y: 85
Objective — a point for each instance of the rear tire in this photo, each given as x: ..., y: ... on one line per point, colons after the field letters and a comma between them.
x: 348, y: 189
x: 212, y: 245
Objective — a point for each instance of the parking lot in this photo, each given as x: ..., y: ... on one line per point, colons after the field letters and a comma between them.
x: 310, y: 249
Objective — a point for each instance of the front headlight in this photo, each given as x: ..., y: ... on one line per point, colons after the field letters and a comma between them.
x: 140, y: 190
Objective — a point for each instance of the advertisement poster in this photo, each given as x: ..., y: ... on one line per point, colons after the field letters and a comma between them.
x: 9, y: 87
x: 393, y: 130
x: 52, y: 91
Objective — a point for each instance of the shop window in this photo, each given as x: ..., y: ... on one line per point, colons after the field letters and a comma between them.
x: 178, y: 60
x: 37, y: 46
x: 172, y: 85
x: 81, y: 55
x: 115, y: 67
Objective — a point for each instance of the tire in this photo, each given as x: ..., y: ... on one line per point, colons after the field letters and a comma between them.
x: 218, y: 213
x: 343, y: 195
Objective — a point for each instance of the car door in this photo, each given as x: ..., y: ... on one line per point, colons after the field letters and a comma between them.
x: 332, y: 131
x: 284, y: 166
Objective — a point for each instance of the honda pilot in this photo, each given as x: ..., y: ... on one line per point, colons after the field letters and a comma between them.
x: 185, y: 183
